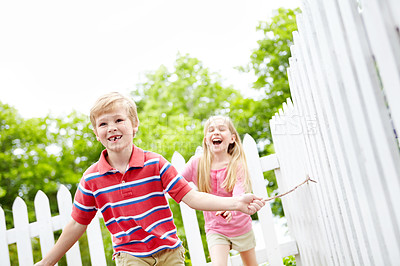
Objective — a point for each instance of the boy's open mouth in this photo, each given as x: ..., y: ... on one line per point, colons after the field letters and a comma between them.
x: 114, y: 138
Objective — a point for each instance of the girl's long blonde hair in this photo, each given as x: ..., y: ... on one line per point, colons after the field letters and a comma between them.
x: 238, y: 159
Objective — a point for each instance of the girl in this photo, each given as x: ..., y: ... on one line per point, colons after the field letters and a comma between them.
x: 221, y: 169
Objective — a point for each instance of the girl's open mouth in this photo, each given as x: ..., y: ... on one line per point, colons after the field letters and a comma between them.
x: 217, y: 142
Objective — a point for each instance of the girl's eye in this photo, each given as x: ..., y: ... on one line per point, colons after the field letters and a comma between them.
x: 102, y: 124
x: 120, y: 120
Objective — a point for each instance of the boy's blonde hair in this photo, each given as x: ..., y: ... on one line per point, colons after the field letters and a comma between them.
x: 109, y: 102
x: 238, y: 159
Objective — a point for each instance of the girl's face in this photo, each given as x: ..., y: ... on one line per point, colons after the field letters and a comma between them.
x: 115, y: 130
x: 218, y: 136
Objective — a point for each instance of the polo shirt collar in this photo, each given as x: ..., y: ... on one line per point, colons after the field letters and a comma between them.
x: 136, y: 160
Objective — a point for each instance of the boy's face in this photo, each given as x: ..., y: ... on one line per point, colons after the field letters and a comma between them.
x: 115, y: 130
x: 218, y: 136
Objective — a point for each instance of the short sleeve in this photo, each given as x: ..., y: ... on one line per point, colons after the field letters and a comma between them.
x: 173, y: 183
x: 190, y: 170
x: 84, y: 207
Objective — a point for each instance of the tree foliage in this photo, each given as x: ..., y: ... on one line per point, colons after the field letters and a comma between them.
x: 40, y: 154
x: 269, y: 62
x: 173, y: 104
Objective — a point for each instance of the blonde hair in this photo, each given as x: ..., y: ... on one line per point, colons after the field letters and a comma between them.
x: 109, y: 102
x: 238, y: 159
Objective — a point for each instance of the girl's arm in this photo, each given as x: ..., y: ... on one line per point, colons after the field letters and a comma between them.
x: 247, y: 203
x: 70, y: 234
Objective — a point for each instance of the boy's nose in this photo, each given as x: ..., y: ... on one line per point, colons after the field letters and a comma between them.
x: 112, y: 127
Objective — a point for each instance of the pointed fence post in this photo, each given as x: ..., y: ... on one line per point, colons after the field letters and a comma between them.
x: 5, y: 257
x: 21, y: 224
x: 95, y: 242
x: 259, y: 189
x: 43, y: 217
x: 190, y: 222
x: 64, y: 201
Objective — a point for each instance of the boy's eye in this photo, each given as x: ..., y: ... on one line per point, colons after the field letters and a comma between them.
x: 119, y: 120
x: 102, y: 124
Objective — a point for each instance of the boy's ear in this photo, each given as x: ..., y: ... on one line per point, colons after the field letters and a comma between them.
x: 136, y: 128
x: 97, y: 137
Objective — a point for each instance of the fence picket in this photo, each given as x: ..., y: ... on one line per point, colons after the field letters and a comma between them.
x: 190, y: 222
x: 21, y: 223
x: 265, y: 214
x: 4, y: 253
x: 44, y: 225
x: 384, y: 40
x: 95, y: 241
x: 64, y: 201
x: 393, y: 8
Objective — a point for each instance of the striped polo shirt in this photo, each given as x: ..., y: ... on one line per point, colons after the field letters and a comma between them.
x: 133, y: 205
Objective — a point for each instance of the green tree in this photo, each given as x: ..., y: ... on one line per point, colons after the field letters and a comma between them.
x: 269, y: 62
x: 40, y: 154
x: 173, y: 104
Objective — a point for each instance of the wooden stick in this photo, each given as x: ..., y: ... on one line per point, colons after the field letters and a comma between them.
x: 293, y: 189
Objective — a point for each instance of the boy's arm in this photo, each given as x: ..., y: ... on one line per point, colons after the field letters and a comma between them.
x: 70, y: 234
x: 247, y: 203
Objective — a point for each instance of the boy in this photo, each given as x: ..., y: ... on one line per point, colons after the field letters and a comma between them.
x: 128, y: 186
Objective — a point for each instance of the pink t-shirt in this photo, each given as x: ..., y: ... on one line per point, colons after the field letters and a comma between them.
x: 240, y: 223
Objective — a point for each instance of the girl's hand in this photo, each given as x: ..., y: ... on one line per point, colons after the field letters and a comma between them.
x: 227, y: 215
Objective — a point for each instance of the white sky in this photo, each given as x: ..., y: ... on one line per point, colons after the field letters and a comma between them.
x: 59, y: 56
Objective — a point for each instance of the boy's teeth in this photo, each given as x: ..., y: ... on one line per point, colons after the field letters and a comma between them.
x: 114, y: 138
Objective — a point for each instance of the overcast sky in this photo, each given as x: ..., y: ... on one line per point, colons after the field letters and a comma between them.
x: 59, y: 56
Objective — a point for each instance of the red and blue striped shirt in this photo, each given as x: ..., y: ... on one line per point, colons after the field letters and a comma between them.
x: 134, y: 206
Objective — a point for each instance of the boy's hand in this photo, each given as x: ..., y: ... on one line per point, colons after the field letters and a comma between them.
x: 250, y: 204
x: 227, y: 215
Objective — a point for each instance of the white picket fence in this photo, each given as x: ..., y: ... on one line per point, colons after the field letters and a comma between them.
x: 340, y: 129
x: 268, y: 248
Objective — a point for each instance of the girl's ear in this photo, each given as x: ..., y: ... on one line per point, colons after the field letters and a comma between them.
x: 233, y: 138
